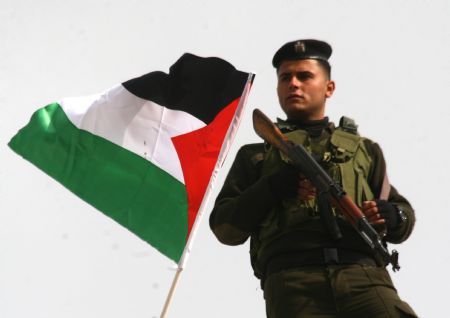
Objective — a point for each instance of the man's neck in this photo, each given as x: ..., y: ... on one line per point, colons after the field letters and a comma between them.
x: 313, y: 127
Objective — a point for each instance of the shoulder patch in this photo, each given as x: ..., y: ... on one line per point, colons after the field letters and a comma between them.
x: 257, y: 157
x: 255, y: 152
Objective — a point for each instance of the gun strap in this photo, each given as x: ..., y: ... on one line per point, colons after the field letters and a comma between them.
x: 327, y: 216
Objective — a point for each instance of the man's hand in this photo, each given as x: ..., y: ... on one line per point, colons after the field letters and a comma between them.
x: 306, y: 190
x: 370, y: 209
x: 381, y: 212
x: 289, y: 182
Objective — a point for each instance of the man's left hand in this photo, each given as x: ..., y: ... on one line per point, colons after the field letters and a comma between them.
x: 381, y: 212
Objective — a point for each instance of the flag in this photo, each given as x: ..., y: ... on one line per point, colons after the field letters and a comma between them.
x: 143, y: 151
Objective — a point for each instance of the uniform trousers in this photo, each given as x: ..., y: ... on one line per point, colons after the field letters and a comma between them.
x: 334, y: 291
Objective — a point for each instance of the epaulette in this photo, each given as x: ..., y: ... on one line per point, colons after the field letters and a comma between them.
x: 347, y: 124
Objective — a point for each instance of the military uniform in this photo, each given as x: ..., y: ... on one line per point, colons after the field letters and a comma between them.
x: 291, y: 252
x: 304, y: 271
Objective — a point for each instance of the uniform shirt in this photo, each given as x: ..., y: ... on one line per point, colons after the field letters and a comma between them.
x: 246, y: 199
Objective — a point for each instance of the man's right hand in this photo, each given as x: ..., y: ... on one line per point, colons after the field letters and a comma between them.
x: 306, y: 190
x: 288, y: 182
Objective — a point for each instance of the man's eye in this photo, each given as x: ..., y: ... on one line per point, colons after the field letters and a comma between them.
x: 304, y: 76
x: 285, y: 78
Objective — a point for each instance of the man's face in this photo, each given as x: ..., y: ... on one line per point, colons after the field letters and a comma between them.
x: 303, y: 87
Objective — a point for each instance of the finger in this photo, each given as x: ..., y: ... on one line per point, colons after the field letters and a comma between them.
x: 371, y: 212
x: 305, y: 196
x: 305, y: 184
x: 369, y: 204
x: 303, y: 188
x: 307, y: 189
x: 378, y: 222
x: 374, y: 217
x: 303, y: 191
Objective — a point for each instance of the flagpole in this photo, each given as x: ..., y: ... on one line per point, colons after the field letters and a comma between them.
x: 223, y: 152
x: 171, y: 292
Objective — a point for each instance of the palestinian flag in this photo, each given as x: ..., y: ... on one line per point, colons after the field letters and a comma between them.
x: 143, y: 152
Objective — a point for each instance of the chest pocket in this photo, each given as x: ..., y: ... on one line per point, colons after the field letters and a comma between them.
x: 350, y: 155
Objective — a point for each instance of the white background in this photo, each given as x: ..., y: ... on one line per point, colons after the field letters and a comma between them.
x: 61, y: 258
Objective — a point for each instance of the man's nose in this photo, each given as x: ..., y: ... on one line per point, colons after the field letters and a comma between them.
x: 294, y: 82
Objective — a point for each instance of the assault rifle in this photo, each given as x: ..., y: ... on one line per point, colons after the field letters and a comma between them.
x: 328, y: 190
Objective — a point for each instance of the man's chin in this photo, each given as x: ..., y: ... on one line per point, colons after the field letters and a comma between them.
x: 294, y: 108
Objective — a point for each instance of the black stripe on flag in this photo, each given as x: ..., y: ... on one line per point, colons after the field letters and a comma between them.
x: 199, y: 86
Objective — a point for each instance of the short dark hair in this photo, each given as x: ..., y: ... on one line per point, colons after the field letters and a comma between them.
x: 326, y: 67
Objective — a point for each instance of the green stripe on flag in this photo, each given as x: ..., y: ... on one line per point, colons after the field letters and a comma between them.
x: 128, y: 188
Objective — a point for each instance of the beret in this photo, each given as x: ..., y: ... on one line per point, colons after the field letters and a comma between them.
x: 302, y: 50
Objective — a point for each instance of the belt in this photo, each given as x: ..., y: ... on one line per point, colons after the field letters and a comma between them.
x: 318, y: 257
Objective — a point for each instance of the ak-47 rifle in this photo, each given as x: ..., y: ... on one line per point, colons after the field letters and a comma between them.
x: 328, y: 190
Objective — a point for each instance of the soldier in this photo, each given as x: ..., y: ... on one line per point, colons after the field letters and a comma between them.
x: 303, y: 271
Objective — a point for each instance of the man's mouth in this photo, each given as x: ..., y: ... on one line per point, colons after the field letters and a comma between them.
x: 295, y: 97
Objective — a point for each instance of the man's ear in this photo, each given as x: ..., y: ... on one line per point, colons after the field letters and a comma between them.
x: 331, y: 86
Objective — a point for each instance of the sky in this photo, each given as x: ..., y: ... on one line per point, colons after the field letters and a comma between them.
x: 59, y: 257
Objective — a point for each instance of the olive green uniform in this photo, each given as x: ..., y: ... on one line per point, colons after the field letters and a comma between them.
x: 289, y: 251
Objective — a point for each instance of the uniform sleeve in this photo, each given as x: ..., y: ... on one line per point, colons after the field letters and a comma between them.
x: 245, y: 198
x: 383, y: 189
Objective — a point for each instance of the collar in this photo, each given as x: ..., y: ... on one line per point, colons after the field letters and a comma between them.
x: 313, y: 127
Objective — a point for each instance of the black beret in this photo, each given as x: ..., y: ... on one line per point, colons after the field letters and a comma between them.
x: 302, y: 50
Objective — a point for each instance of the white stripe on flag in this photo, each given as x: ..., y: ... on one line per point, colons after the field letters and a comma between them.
x: 141, y: 126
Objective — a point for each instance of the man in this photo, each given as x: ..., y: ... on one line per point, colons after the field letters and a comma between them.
x: 303, y: 271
